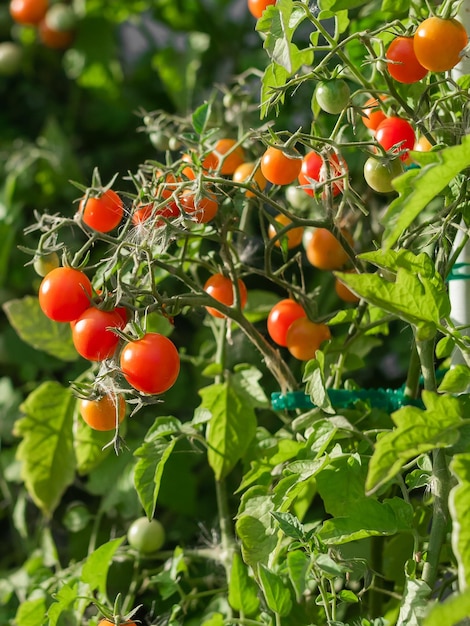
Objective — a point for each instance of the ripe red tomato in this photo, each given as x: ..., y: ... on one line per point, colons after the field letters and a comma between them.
x: 281, y: 317
x: 280, y: 168
x: 439, y: 42
x: 202, y: 209
x: 372, y: 114
x: 227, y: 156
x: 150, y: 364
x: 325, y: 252
x: 28, y: 11
x: 91, y: 334
x: 220, y: 287
x: 402, y: 63
x: 145, y: 212
x: 256, y: 7
x: 304, y: 338
x: 102, y: 213
x: 100, y: 414
x: 251, y: 172
x: 293, y: 236
x: 315, y: 170
x: 64, y: 294
x: 379, y: 173
x: 396, y: 133
x: 52, y: 38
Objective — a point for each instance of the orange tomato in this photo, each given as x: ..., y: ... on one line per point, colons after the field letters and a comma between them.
x: 101, y: 414
x: 305, y: 337
x: 280, y: 168
x: 293, y: 235
x: 325, y: 252
x: 250, y: 171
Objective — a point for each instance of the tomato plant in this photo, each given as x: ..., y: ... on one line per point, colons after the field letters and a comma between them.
x: 325, y: 251
x: 402, y: 63
x: 332, y: 95
x: 305, y: 337
x: 103, y: 212
x: 221, y: 288
x: 92, y: 333
x: 281, y: 317
x: 150, y: 364
x: 103, y: 413
x: 146, y: 536
x: 280, y: 167
x: 439, y: 43
x: 379, y: 173
x: 396, y: 134
x: 64, y: 294
x: 28, y: 11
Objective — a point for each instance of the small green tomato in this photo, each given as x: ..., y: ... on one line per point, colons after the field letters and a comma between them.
x: 146, y: 536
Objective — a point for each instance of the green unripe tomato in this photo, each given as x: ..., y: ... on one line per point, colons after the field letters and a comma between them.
x: 146, y: 536
x: 379, y: 173
x: 332, y: 95
x: 46, y: 263
x: 159, y: 140
x: 11, y: 57
x: 61, y: 17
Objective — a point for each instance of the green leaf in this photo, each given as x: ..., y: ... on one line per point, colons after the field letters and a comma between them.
x: 368, y: 518
x: 233, y: 422
x: 152, y: 456
x: 39, y: 331
x: 314, y: 380
x: 95, y: 568
x: 417, y: 431
x: 414, y: 604
x: 46, y: 448
x: 254, y: 526
x: 418, y: 187
x: 274, y: 78
x: 415, y: 293
x: 289, y: 524
x: 31, y: 612
x: 277, y: 593
x: 456, y: 380
x: 338, y: 5
x: 460, y: 513
x: 242, y: 590
x: 452, y: 611
x: 279, y: 25
x: 298, y: 567
x: 63, y: 600
x: 200, y: 117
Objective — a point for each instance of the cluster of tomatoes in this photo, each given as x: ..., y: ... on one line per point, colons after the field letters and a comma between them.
x: 55, y: 23
x: 149, y: 363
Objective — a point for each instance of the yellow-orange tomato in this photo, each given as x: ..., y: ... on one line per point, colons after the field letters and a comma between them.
x: 423, y: 144
x: 325, y: 252
x: 202, y: 209
x: 220, y: 287
x: 100, y: 414
x: 438, y: 43
x: 293, y: 235
x: 305, y: 337
x: 52, y: 38
x: 250, y: 171
x: 227, y: 156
